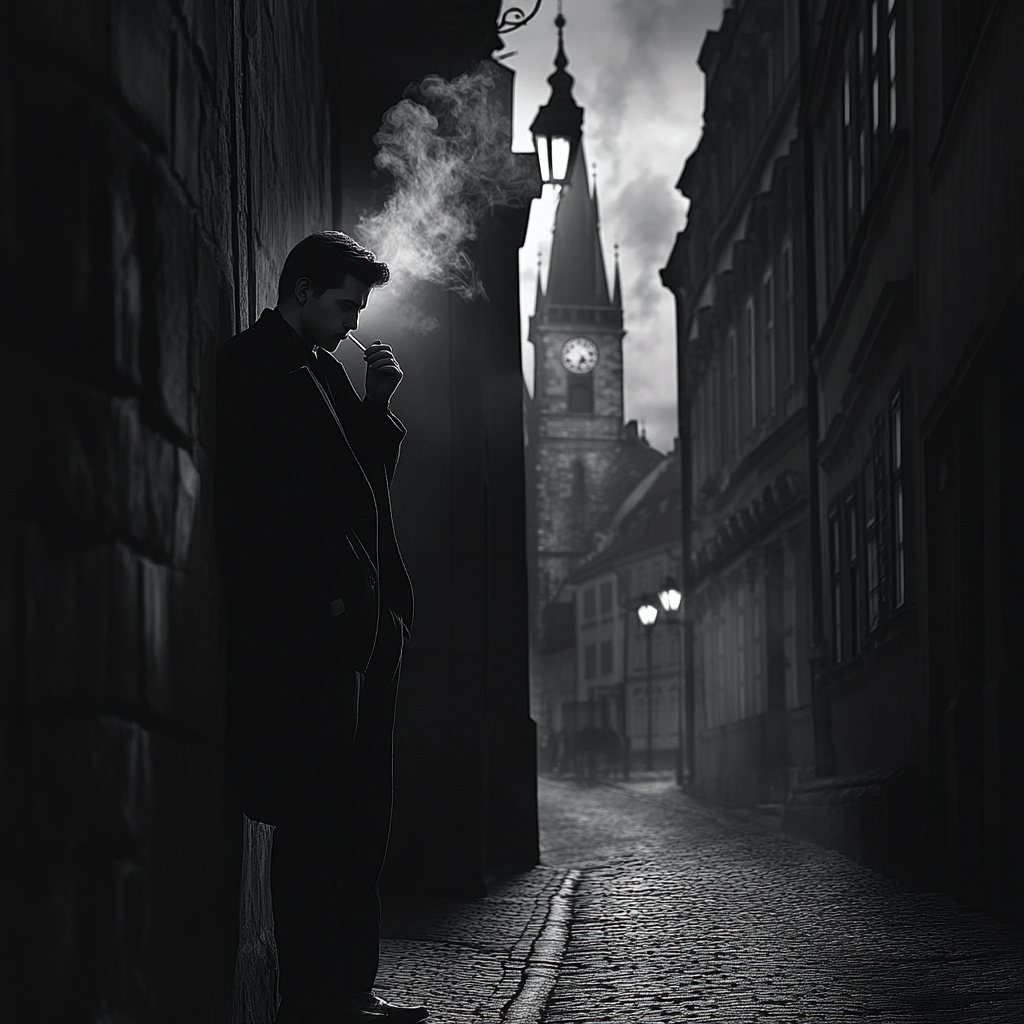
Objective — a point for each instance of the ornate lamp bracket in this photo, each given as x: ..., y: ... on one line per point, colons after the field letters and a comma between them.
x: 515, y: 17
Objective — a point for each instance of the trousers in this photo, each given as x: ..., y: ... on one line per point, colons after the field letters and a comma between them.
x: 329, y: 852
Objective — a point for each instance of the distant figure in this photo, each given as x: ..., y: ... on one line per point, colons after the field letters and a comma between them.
x: 319, y: 605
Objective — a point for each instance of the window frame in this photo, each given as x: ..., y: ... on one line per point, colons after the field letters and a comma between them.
x: 768, y: 285
x: 835, y: 562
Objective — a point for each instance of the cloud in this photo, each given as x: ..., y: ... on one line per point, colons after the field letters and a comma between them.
x: 647, y: 213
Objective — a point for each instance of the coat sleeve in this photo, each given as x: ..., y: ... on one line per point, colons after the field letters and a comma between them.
x: 383, y: 435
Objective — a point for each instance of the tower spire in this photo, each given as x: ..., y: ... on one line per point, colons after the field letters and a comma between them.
x: 577, y: 275
x: 617, y: 292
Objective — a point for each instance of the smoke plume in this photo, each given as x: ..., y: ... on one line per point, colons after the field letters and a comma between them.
x: 447, y: 148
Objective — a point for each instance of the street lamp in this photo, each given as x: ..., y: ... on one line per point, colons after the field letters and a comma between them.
x: 647, y: 613
x: 671, y: 597
x: 558, y: 126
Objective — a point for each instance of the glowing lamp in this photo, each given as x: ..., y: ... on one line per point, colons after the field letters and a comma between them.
x: 647, y: 613
x: 670, y: 596
x: 558, y: 126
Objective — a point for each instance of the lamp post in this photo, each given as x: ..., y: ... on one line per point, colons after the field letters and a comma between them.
x: 558, y: 126
x: 647, y: 613
x: 671, y: 597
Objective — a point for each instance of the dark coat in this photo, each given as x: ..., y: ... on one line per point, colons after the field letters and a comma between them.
x: 306, y: 542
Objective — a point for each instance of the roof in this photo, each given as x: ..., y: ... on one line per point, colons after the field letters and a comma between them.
x: 577, y: 274
x: 649, y: 517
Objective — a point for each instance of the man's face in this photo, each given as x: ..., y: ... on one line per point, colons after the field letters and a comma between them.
x: 328, y: 318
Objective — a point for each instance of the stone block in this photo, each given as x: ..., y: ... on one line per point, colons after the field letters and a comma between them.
x: 188, y: 117
x: 124, y: 659
x: 189, y: 482
x: 212, y: 324
x: 91, y: 783
x: 156, y: 639
x: 161, y: 487
x: 81, y: 614
x: 171, y: 295
x: 123, y: 159
x: 51, y: 622
x: 140, y: 52
x: 116, y: 907
x: 94, y: 464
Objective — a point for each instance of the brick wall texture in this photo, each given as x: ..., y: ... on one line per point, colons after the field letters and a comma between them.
x: 157, y: 160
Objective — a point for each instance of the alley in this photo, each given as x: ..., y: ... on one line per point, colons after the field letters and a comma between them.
x: 685, y: 912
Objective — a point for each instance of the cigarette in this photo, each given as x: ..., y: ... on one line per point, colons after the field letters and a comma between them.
x: 352, y: 337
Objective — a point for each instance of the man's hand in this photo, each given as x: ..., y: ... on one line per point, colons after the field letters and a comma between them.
x: 383, y: 374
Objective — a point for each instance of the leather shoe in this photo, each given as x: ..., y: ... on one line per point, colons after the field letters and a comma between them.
x: 371, y: 1007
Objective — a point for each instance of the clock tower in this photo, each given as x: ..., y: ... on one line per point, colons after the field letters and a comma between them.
x: 582, y: 460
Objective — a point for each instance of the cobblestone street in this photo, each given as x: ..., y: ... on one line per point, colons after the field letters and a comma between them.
x: 675, y: 911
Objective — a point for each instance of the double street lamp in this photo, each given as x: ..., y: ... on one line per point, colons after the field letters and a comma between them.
x: 670, y: 597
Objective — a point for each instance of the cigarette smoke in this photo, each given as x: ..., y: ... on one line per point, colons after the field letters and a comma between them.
x: 447, y: 148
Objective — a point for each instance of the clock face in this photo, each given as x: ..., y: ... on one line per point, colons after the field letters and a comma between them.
x: 579, y: 355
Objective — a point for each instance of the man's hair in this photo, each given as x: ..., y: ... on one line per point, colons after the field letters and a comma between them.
x: 325, y: 257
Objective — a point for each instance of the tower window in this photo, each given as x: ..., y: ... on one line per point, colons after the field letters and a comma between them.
x: 581, y: 393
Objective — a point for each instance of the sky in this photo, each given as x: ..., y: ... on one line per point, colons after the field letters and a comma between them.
x: 635, y: 66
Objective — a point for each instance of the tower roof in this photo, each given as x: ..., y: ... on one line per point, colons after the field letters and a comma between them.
x: 577, y: 275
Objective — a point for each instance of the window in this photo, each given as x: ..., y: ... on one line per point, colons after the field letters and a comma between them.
x: 606, y: 657
x: 769, y: 334
x: 581, y: 393
x: 741, y: 653
x: 892, y: 66
x: 871, y: 544
x: 589, y: 609
x: 836, y: 571
x: 714, y: 424
x: 828, y: 203
x: 590, y: 662
x: 758, y: 659
x: 896, y: 484
x: 787, y: 302
x: 853, y: 569
x: 751, y: 328
x: 606, y: 598
x: 734, y: 391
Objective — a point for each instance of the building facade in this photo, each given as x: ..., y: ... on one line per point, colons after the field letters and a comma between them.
x: 914, y: 169
x: 736, y: 275
x: 625, y: 708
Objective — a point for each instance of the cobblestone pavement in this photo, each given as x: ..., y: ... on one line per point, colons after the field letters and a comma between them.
x: 684, y: 913
x: 681, y: 912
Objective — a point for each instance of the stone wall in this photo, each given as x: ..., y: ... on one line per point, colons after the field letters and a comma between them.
x: 158, y: 162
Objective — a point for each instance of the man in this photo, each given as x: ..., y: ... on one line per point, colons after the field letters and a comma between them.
x: 319, y: 605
